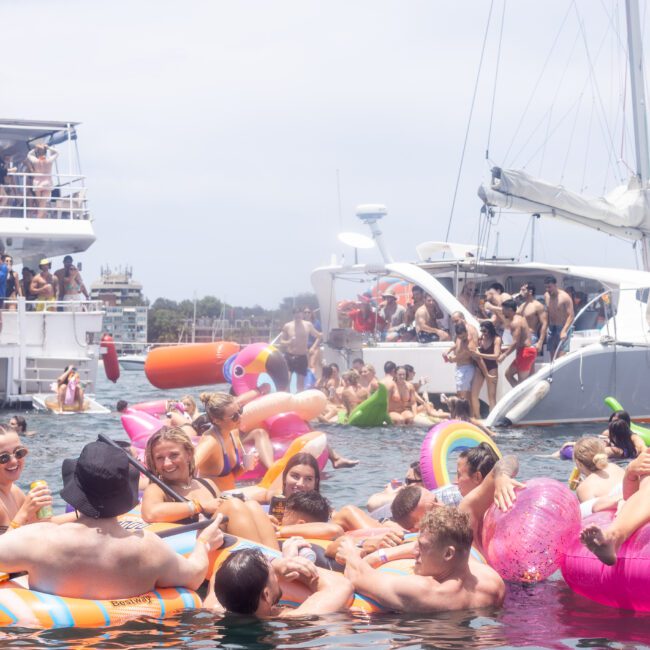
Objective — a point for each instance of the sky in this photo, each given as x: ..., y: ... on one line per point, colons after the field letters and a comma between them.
x: 226, y: 144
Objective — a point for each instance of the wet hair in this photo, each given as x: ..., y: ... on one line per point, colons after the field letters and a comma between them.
x: 459, y: 408
x: 481, y: 458
x: 449, y: 526
x: 620, y: 415
x: 215, y: 404
x: 389, y: 367
x: 497, y: 286
x: 620, y: 435
x: 302, y: 458
x: 404, y: 503
x: 460, y: 329
x: 417, y: 287
x: 169, y: 434
x: 530, y: 287
x: 408, y: 367
x: 509, y: 304
x: 591, y: 453
x: 489, y: 326
x: 312, y: 504
x: 201, y: 424
x: 240, y: 581
x: 417, y: 470
x: 121, y: 405
x: 358, y: 360
x: 21, y: 423
x: 549, y: 279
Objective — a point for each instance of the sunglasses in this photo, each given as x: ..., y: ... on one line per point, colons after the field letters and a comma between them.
x: 411, y: 481
x: 17, y: 453
x: 235, y: 417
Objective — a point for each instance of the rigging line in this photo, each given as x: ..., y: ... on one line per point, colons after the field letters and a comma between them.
x: 537, y: 82
x: 570, y: 109
x: 584, y: 164
x: 469, y: 121
x: 547, y: 114
x: 523, y: 240
x: 597, y: 89
x: 573, y: 131
x: 496, y: 76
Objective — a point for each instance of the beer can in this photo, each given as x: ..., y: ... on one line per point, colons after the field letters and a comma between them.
x: 574, y: 479
x: 277, y: 506
x: 46, y: 511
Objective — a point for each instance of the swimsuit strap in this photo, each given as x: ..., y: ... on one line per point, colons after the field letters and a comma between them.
x: 206, y: 484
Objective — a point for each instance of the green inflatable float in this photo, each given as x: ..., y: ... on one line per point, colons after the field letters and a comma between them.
x: 642, y: 432
x: 373, y: 412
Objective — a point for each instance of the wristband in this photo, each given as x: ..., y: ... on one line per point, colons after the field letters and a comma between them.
x: 383, y: 558
x: 14, y: 524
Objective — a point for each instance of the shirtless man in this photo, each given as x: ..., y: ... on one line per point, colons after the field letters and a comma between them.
x: 445, y: 579
x: 250, y: 583
x: 535, y: 314
x: 458, y: 317
x: 560, y: 317
x: 44, y: 285
x: 293, y: 340
x: 94, y: 557
x: 401, y: 399
x: 388, y: 380
x: 495, y: 296
x: 523, y: 364
x: 462, y: 354
x: 353, y: 393
x: 426, y: 322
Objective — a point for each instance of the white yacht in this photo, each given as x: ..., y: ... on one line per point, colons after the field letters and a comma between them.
x: 35, y: 346
x: 609, y: 350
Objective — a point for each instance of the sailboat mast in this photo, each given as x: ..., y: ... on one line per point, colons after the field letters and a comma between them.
x: 637, y: 83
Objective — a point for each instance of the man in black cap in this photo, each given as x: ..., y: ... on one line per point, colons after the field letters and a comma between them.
x: 94, y: 557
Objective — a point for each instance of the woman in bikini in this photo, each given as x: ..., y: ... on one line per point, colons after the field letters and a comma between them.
x: 489, y: 350
x: 401, y: 399
x: 170, y: 455
x: 16, y: 507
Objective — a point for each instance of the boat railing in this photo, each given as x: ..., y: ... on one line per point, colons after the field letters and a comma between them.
x: 67, y: 199
x: 53, y: 306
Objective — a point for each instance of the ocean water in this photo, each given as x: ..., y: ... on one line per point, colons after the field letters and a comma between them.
x: 546, y: 615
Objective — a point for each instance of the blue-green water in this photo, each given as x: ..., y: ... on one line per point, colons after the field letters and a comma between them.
x: 547, y: 615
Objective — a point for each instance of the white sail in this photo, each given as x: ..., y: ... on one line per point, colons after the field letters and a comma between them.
x: 623, y: 212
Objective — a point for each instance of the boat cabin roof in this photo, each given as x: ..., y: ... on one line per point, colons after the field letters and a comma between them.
x: 17, y: 135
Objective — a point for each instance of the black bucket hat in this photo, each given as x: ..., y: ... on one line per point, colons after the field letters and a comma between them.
x: 100, y: 483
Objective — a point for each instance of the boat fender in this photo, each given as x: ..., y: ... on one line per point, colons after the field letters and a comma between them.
x: 109, y: 357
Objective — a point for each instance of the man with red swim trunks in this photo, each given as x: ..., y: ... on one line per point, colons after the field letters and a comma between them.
x: 524, y: 361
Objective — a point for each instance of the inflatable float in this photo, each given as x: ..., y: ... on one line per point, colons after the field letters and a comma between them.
x: 109, y: 357
x: 526, y: 543
x: 372, y: 412
x: 257, y: 364
x: 625, y: 585
x: 642, y: 432
x: 24, y: 607
x: 182, y: 366
x: 440, y: 442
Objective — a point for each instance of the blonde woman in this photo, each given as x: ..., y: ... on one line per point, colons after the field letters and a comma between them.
x: 601, y: 486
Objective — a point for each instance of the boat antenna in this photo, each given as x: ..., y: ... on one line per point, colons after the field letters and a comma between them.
x: 370, y: 214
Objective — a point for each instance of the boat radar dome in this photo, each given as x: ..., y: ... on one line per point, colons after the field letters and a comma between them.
x: 371, y: 212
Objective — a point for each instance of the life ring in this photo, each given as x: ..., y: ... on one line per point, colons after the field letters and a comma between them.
x: 626, y: 585
x: 109, y: 357
x: 28, y: 608
x: 182, y: 366
x: 440, y: 442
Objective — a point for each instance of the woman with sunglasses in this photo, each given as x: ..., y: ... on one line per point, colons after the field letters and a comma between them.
x: 17, y: 508
x: 220, y: 454
x: 170, y: 455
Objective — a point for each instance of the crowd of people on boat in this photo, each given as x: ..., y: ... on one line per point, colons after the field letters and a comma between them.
x: 43, y: 287
x: 27, y: 187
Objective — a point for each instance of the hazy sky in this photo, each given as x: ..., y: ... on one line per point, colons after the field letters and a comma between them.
x: 212, y: 131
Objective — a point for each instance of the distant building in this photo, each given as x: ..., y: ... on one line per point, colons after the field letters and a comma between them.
x: 126, y: 313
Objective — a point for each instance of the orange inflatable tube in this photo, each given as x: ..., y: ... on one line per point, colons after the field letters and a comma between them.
x: 109, y: 357
x: 182, y: 366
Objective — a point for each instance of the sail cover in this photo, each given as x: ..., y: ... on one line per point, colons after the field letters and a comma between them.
x: 623, y: 212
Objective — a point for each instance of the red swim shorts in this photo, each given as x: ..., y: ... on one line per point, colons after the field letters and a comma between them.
x: 525, y: 358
